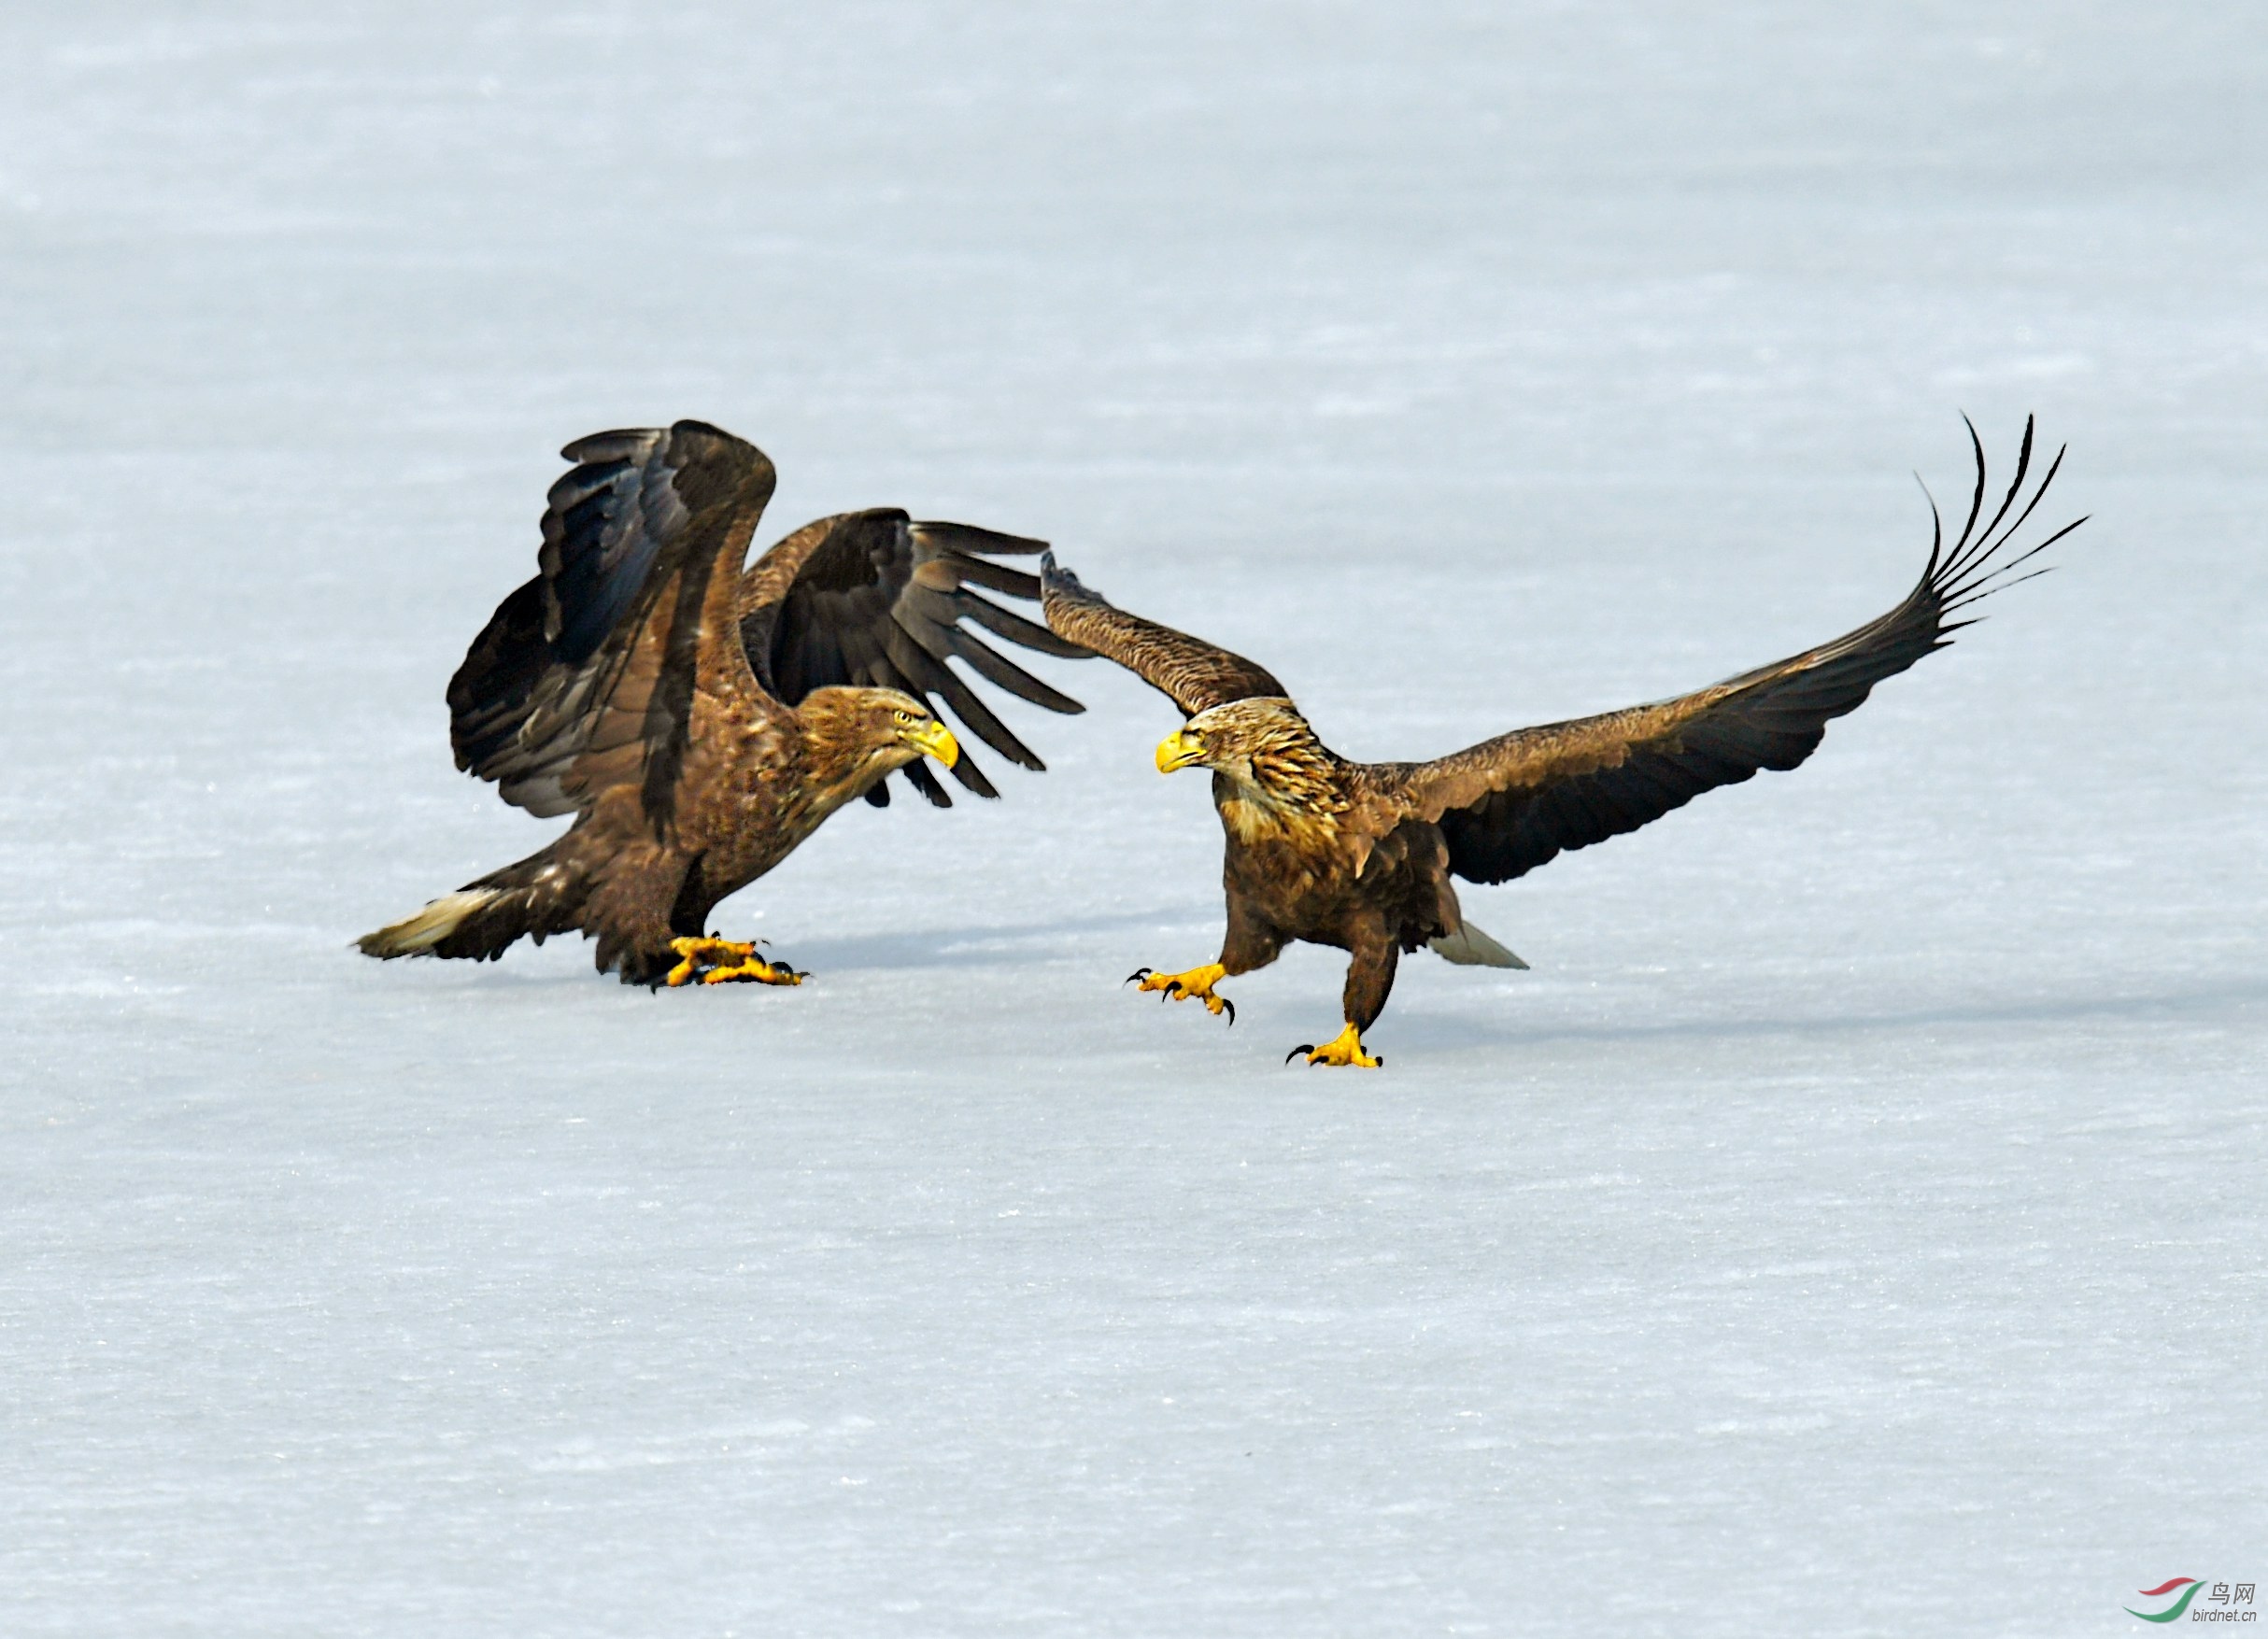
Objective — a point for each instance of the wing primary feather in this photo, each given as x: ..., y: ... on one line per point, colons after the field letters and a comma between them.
x: 944, y: 640
x: 974, y: 538
x: 874, y: 598
x: 2023, y: 466
x: 1995, y: 577
x: 1507, y: 805
x: 1936, y: 532
x: 605, y: 446
x: 1971, y: 599
x: 997, y: 577
x: 2038, y: 495
x: 919, y: 776
x: 998, y: 668
x: 934, y: 677
x: 1007, y: 623
x: 971, y: 772
x: 932, y: 618
x: 1955, y: 594
x: 1976, y: 500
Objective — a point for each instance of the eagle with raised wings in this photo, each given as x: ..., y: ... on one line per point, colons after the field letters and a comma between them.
x: 1359, y: 856
x: 700, y: 721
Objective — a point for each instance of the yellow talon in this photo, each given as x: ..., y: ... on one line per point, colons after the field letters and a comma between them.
x: 754, y: 971
x: 1344, y: 1049
x: 728, y: 962
x: 1197, y: 984
x: 693, y: 953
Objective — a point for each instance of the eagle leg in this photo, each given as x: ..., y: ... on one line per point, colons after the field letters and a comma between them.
x: 1346, y: 1049
x: 1195, y: 985
x: 725, y: 962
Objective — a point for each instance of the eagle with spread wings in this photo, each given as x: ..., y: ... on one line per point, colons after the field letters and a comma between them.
x: 1359, y: 856
x: 699, y: 720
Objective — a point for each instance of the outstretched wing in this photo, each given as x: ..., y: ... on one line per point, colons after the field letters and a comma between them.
x: 1508, y: 804
x: 1192, y: 673
x: 877, y: 600
x: 583, y: 678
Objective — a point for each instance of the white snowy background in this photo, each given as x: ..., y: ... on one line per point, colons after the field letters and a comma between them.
x: 1853, y: 1224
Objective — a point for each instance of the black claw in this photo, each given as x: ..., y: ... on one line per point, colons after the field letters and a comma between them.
x: 1232, y: 1009
x: 1305, y: 1047
x: 1138, y: 973
x: 1174, y: 990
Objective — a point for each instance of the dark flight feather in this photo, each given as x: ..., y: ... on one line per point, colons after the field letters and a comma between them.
x: 876, y: 597
x: 597, y: 654
x: 1508, y: 804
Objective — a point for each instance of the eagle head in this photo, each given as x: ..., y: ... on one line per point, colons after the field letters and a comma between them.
x: 1260, y: 745
x: 863, y: 734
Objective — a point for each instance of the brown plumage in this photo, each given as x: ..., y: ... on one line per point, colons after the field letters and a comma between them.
x: 1359, y: 856
x: 700, y: 722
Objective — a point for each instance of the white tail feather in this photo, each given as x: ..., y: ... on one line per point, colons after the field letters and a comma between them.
x: 415, y: 936
x: 1468, y: 947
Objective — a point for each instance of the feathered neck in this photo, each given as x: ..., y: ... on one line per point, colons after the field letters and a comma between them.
x: 1287, y: 767
x: 1283, y: 783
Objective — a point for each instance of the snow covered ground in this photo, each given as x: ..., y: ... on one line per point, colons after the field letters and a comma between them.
x: 1854, y: 1224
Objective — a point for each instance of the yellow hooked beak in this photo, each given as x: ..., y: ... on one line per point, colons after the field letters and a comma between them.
x: 937, y: 740
x: 1178, y: 750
